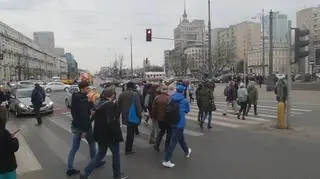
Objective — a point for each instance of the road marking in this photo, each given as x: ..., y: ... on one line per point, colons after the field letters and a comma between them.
x: 27, y: 161
x: 274, y: 107
x: 59, y: 146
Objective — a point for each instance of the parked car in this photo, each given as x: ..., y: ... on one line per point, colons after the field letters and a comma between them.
x: 69, y: 92
x: 20, y: 103
x: 56, y: 86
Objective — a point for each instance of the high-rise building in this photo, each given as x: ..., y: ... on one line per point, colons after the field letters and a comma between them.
x: 45, y: 40
x: 235, y: 41
x: 309, y: 19
x: 279, y: 27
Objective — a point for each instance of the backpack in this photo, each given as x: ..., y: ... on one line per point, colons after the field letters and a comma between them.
x: 172, y: 115
x: 225, y: 92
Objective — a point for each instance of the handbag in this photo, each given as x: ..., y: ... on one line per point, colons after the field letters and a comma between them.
x: 133, y: 117
x: 214, y: 107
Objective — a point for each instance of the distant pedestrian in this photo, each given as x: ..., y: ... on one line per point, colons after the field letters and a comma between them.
x: 206, y: 104
x: 107, y: 133
x: 191, y: 91
x: 9, y: 145
x: 81, y: 126
x: 252, y: 98
x: 198, y: 104
x: 242, y: 99
x: 38, y: 96
x: 230, y: 94
x: 178, y: 100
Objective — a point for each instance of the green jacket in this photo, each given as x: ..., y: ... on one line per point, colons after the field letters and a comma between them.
x: 205, y: 99
x: 252, y: 95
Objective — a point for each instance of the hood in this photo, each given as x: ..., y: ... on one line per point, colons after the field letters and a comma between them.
x: 180, y: 88
x: 242, y: 85
x: 177, y: 96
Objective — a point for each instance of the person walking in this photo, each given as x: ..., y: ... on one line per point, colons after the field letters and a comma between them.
x: 107, y: 133
x: 198, y: 104
x: 37, y: 98
x: 230, y: 93
x: 205, y: 102
x: 9, y: 145
x: 81, y: 126
x: 158, y: 113
x: 252, y: 98
x: 242, y: 99
x: 191, y: 91
x: 130, y: 100
x: 148, y: 104
x: 178, y: 128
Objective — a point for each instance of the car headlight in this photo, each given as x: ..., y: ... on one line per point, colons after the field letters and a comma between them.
x: 50, y: 103
x: 21, y: 105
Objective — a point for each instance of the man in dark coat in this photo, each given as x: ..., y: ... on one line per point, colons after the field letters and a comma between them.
x: 81, y: 125
x: 231, y: 96
x: 125, y: 101
x: 205, y: 101
x: 107, y: 133
x: 37, y: 98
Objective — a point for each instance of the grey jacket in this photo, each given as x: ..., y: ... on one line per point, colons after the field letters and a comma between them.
x: 125, y: 102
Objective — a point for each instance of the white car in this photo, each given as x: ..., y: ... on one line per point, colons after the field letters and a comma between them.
x: 56, y: 86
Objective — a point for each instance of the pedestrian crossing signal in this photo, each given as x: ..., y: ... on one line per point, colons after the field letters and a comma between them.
x: 148, y: 35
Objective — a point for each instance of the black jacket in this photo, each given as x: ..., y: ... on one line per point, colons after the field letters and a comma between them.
x: 106, y: 128
x: 8, y: 147
x: 4, y: 96
x: 38, y: 96
x: 80, y: 111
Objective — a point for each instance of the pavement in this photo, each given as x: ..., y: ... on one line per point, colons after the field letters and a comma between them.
x: 252, y: 148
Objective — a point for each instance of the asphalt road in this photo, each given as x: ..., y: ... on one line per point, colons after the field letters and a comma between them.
x: 232, y: 149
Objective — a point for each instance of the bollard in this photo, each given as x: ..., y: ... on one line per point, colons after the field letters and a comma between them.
x: 281, y: 113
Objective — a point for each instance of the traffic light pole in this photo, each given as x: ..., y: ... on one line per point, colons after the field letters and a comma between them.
x: 131, y: 56
x: 209, y: 40
x: 289, y: 78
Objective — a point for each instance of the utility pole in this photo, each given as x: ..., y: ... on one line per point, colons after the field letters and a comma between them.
x: 263, y: 57
x: 131, y: 56
x: 289, y: 80
x: 209, y: 40
x: 270, y: 81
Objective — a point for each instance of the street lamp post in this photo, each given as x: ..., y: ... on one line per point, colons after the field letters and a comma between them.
x: 131, y: 55
x: 209, y: 40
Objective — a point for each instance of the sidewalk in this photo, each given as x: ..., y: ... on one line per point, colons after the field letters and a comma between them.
x: 301, y: 97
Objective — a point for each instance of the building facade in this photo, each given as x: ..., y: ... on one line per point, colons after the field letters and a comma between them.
x: 309, y: 19
x: 279, y: 27
x: 196, y: 57
x: 72, y: 66
x: 63, y: 67
x: 45, y: 40
x: 280, y: 57
x: 233, y: 42
x: 22, y: 58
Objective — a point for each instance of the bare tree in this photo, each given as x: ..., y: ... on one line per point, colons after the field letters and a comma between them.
x: 223, y: 58
x: 115, y: 68
x: 121, y: 65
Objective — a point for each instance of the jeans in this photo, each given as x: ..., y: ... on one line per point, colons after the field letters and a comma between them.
x: 254, y: 108
x: 102, y: 150
x: 9, y: 175
x: 177, y: 136
x: 234, y: 106
x: 154, y: 131
x: 206, y: 114
x: 76, y: 139
x: 164, y: 129
x: 38, y: 115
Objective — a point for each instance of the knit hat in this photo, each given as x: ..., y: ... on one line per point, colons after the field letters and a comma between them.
x: 108, y: 92
x: 130, y: 85
x: 180, y: 88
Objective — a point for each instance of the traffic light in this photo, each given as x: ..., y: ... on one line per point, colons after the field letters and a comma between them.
x: 148, y: 35
x: 317, y: 56
x: 301, y: 43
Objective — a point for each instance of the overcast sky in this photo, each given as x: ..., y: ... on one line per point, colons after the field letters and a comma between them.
x: 94, y: 31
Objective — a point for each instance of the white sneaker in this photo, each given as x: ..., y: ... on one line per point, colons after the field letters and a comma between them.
x: 168, y: 164
x: 189, y: 153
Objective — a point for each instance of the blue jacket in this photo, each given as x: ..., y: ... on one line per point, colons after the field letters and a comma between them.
x: 184, y: 108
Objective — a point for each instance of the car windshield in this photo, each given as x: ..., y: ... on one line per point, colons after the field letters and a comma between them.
x: 24, y: 94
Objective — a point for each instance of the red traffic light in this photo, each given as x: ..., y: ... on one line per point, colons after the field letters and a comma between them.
x: 148, y: 35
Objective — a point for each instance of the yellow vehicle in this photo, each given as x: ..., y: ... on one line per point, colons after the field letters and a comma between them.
x: 67, y: 81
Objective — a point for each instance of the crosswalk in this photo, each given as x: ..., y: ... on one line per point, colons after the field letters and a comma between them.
x: 50, y: 143
x: 266, y: 114
x: 40, y: 147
